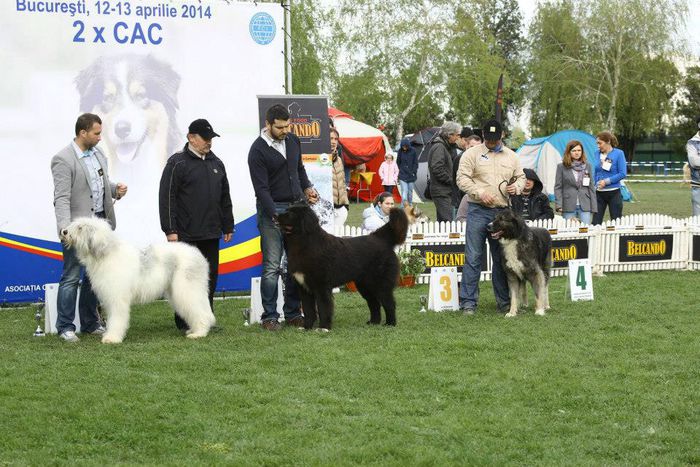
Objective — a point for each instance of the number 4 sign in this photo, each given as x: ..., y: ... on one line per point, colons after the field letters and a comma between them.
x: 580, y: 280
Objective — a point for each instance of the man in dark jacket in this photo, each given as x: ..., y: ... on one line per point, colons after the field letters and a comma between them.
x: 407, y: 160
x: 194, y: 200
x: 441, y: 170
x: 532, y: 204
x: 279, y: 179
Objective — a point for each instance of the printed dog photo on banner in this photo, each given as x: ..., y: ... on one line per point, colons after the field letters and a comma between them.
x: 136, y: 97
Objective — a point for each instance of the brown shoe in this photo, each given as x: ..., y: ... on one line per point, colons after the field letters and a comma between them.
x: 297, y: 322
x: 271, y: 325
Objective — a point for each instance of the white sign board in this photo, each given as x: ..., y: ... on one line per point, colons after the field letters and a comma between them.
x: 442, y: 295
x: 580, y: 280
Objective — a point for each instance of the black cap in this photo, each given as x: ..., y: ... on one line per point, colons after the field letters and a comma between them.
x: 202, y: 128
x: 466, y: 132
x: 493, y: 130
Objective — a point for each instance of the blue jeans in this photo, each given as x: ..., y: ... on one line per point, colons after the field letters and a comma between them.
x: 478, y: 218
x: 584, y: 216
x: 407, y: 191
x: 272, y: 248
x: 68, y: 292
x: 695, y: 198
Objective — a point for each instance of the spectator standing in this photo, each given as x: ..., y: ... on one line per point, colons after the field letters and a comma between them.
x: 531, y: 203
x: 488, y: 173
x: 279, y: 180
x: 195, y: 202
x: 389, y: 172
x: 341, y: 202
x: 693, y: 150
x: 81, y: 189
x: 407, y: 160
x: 608, y: 175
x: 574, y: 190
x: 440, y: 167
x: 377, y: 214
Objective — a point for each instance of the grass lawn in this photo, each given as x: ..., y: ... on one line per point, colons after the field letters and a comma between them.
x: 672, y: 199
x: 614, y: 381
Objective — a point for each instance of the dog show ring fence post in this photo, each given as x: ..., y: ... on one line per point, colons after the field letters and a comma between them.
x: 639, y: 242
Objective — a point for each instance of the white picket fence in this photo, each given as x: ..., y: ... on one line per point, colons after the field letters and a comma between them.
x: 603, y: 240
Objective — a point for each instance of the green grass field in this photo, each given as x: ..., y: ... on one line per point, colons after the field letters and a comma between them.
x: 614, y: 381
x: 609, y: 382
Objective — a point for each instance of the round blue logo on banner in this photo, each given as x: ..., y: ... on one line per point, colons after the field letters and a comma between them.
x: 262, y: 28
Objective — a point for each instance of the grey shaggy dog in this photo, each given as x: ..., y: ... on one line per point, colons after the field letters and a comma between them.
x: 526, y: 256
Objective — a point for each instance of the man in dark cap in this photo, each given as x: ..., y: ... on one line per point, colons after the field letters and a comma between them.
x: 488, y: 173
x: 194, y: 200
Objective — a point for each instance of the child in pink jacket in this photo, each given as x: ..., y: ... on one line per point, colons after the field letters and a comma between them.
x: 389, y: 172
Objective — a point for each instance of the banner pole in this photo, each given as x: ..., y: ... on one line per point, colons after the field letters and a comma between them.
x: 288, y: 44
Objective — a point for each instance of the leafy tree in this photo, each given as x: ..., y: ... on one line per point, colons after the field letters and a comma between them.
x: 554, y: 89
x: 645, y: 100
x: 687, y: 110
x: 602, y: 64
x: 306, y: 42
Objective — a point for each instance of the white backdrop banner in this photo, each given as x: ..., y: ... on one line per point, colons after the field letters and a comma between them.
x: 147, y: 69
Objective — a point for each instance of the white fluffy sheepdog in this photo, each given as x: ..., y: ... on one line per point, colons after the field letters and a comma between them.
x: 121, y: 275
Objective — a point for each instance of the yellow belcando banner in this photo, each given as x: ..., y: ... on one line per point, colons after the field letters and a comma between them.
x: 147, y: 69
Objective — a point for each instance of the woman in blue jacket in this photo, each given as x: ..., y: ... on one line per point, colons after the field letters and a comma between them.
x: 609, y: 172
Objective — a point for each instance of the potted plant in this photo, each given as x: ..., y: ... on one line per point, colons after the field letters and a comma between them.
x: 411, y: 263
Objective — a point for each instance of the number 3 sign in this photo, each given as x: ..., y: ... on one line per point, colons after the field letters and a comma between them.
x: 443, y: 289
x: 580, y: 281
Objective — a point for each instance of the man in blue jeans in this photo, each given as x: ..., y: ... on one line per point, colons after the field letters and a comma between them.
x: 489, y: 174
x: 279, y: 180
x: 81, y: 189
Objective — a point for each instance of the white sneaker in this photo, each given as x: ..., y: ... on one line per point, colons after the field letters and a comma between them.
x: 98, y: 331
x: 69, y: 336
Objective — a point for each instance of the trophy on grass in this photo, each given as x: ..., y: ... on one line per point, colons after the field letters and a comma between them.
x: 37, y: 316
x: 423, y: 301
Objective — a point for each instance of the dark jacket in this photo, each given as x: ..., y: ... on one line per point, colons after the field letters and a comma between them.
x: 194, y: 198
x: 440, y: 167
x: 407, y: 160
x: 537, y: 202
x: 276, y: 179
x: 457, y: 194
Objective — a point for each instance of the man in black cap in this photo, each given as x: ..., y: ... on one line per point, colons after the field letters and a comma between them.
x: 488, y: 173
x: 194, y: 200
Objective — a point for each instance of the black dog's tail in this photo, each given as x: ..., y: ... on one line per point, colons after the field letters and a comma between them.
x: 394, y: 232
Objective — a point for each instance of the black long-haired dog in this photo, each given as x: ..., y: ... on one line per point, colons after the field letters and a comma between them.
x: 320, y: 261
x: 527, y: 257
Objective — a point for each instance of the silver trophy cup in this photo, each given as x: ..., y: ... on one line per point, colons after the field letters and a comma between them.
x: 37, y: 316
x: 423, y: 301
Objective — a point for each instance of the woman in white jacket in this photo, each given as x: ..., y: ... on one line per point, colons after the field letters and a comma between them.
x: 377, y: 214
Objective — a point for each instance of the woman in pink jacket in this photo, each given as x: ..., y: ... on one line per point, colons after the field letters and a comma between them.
x: 389, y: 172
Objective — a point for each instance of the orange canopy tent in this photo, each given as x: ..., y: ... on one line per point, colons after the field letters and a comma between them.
x: 362, y: 144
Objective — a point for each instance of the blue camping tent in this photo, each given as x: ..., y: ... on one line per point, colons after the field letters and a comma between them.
x: 545, y: 153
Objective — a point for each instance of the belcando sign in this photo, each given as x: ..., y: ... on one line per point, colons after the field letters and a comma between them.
x: 441, y: 256
x: 645, y: 248
x: 565, y: 250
